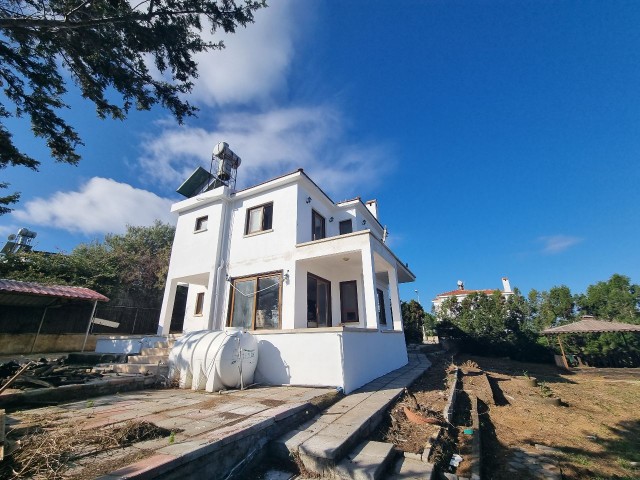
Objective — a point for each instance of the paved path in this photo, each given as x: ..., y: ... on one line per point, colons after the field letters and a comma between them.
x: 204, y: 423
x: 325, y: 440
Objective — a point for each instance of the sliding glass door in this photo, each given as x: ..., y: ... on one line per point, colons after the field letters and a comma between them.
x: 318, y: 301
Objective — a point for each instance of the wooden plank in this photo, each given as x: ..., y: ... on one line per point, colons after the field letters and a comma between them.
x: 2, y: 420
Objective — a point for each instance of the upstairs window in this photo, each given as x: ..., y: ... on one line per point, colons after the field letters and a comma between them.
x: 346, y: 226
x: 201, y: 223
x: 259, y: 219
x: 317, y: 226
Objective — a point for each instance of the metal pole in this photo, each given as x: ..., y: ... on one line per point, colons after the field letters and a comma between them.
x: 84, y: 344
x: 135, y: 318
x: 39, y: 328
x: 564, y: 358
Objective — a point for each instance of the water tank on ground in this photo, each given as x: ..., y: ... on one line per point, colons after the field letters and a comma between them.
x: 214, y: 360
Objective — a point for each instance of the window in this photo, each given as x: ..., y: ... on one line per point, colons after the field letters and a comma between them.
x: 317, y: 226
x: 255, y: 302
x: 199, y: 303
x: 346, y: 226
x: 201, y: 223
x: 259, y: 219
x: 349, y: 301
x: 318, y: 302
x: 382, y: 313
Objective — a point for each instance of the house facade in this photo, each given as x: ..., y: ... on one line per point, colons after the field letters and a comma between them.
x: 312, y: 279
x: 461, y: 293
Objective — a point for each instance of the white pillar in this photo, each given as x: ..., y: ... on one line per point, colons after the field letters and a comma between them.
x: 369, y: 287
x: 395, y: 299
x: 164, y: 322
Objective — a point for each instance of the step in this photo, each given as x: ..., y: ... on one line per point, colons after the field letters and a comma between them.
x: 155, y: 351
x: 411, y: 469
x: 154, y: 369
x: 368, y: 461
x: 165, y: 344
x: 153, y: 359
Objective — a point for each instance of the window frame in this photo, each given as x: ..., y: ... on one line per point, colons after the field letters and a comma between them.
x: 329, y: 304
x: 344, y: 222
x: 315, y: 214
x: 382, y: 312
x: 198, y: 225
x: 199, y: 307
x: 255, y: 277
x: 262, y: 222
x: 342, y: 309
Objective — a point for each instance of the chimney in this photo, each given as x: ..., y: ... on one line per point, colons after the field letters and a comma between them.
x: 506, y: 285
x: 372, y: 206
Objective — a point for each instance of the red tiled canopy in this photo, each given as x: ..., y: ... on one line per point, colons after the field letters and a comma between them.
x: 12, y: 288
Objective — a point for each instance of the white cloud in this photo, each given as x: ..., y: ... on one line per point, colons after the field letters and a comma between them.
x: 557, y: 243
x: 102, y: 205
x: 271, y: 143
x: 254, y: 63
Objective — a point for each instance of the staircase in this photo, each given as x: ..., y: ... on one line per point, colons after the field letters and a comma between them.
x: 150, y: 361
x: 334, y: 444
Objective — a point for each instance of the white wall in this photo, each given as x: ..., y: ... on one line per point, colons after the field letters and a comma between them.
x: 300, y: 359
x: 369, y: 355
x: 347, y: 359
x: 193, y: 322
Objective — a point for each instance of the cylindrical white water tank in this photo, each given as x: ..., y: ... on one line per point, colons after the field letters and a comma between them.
x: 214, y: 360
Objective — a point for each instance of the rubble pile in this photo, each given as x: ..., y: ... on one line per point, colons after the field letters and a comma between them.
x: 43, y: 373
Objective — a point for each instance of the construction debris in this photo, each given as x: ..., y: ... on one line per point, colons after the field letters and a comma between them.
x: 43, y: 374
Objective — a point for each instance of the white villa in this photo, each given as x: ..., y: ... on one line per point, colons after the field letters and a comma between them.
x: 461, y: 293
x: 311, y: 279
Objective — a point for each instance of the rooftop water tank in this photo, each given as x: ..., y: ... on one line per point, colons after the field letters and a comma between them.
x: 214, y: 360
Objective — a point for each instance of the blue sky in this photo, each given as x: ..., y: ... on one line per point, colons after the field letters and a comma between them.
x: 501, y: 138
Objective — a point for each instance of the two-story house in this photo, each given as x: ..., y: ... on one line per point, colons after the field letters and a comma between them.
x: 312, y: 279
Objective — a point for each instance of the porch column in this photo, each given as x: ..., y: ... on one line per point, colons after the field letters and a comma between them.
x: 164, y: 323
x: 369, y: 287
x: 395, y: 299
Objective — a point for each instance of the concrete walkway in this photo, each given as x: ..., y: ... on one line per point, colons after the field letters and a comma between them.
x: 323, y: 443
x: 217, y: 433
x: 213, y: 432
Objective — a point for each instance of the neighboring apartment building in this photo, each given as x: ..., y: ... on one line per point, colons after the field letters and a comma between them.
x: 312, y: 279
x: 462, y: 293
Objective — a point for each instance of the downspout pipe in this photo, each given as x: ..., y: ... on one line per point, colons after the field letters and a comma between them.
x: 224, y: 241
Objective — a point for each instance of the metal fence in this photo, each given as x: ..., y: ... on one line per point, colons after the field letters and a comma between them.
x: 131, y: 320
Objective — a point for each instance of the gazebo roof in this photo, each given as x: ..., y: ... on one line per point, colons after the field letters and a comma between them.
x: 590, y: 324
x: 14, y: 292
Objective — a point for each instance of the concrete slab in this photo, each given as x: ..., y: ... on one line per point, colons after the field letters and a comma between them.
x: 410, y: 469
x: 368, y: 461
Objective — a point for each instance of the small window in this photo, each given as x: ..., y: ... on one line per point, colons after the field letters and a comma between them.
x: 317, y: 226
x: 201, y: 223
x: 199, y: 303
x: 346, y: 226
x: 259, y: 219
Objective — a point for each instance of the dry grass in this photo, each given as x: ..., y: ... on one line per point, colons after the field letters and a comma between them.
x: 46, y: 451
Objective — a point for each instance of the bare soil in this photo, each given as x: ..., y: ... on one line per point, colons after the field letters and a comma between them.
x: 427, y: 397
x: 596, y: 428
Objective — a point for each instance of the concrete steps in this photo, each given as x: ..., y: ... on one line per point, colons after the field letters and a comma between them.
x: 334, y: 443
x: 411, y: 469
x: 150, y: 361
x: 369, y: 461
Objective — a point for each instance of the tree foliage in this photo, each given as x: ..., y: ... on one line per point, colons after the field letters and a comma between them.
x: 413, y: 318
x: 108, y: 48
x: 122, y: 267
x: 495, y: 325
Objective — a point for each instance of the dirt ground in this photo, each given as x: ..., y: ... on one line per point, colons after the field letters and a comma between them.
x: 596, y: 428
x: 427, y: 396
